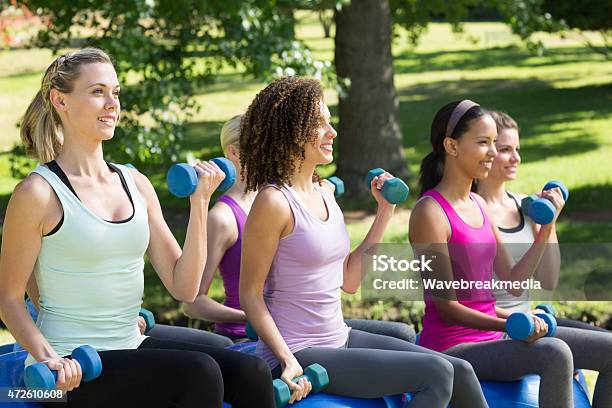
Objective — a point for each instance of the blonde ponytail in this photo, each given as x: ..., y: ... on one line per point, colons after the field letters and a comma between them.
x: 230, y: 133
x: 40, y: 133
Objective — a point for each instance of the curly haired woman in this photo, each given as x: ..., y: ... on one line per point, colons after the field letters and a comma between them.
x: 296, y: 258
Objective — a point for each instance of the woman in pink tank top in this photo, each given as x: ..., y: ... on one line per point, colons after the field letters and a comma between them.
x: 452, y: 222
x: 296, y: 258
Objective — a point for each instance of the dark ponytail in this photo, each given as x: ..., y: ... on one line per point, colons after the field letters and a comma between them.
x: 432, y: 166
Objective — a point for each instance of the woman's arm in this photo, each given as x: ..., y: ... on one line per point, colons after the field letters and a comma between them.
x: 270, y: 219
x: 222, y: 234
x: 547, y: 271
x: 550, y: 265
x: 180, y: 271
x: 28, y: 209
x: 353, y: 271
x: 525, y: 268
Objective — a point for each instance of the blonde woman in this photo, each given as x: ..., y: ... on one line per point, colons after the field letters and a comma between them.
x: 83, y: 226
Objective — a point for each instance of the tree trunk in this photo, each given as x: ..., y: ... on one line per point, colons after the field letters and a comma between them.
x: 326, y: 22
x: 369, y: 134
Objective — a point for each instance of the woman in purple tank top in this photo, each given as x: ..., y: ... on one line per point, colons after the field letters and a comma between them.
x: 225, y: 227
x: 296, y: 258
x: 453, y: 223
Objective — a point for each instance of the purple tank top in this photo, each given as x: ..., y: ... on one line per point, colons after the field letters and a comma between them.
x: 229, y: 267
x: 472, y: 251
x: 302, y: 291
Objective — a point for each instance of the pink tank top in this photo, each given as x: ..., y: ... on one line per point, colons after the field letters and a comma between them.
x: 472, y: 251
x: 302, y: 291
x: 229, y: 267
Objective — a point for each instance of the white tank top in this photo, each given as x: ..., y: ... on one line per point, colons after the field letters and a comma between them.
x: 519, y: 240
x: 90, y: 274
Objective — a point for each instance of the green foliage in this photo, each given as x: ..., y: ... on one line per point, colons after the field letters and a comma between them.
x: 165, y: 50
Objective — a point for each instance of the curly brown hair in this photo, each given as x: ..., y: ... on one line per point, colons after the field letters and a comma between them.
x: 282, y: 118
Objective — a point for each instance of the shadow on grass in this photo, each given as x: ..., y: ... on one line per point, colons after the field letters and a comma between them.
x: 536, y: 106
x: 410, y: 62
x: 586, y: 201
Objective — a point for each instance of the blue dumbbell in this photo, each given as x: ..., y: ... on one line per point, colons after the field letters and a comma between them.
x: 314, y: 373
x: 40, y: 376
x: 520, y: 325
x: 148, y: 318
x: 394, y: 190
x: 547, y: 308
x: 338, y: 184
x: 541, y: 210
x: 182, y: 178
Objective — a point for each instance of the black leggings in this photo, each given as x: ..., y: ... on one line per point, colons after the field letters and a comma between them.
x: 372, y: 365
x: 188, y: 335
x: 162, y: 373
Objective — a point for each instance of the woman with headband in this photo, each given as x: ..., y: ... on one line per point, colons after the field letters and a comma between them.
x: 452, y: 225
x: 82, y: 226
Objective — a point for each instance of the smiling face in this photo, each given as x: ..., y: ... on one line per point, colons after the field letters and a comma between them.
x: 320, y: 150
x: 475, y: 149
x: 506, y: 162
x: 92, y: 109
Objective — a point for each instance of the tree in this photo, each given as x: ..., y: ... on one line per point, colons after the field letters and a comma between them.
x: 369, y: 110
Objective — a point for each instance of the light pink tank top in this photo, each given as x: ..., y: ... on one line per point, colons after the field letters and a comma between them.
x: 302, y: 291
x: 472, y: 251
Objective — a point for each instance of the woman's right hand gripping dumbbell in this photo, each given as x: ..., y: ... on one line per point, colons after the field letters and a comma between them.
x: 377, y: 183
x: 210, y: 177
x: 292, y: 369
x: 69, y: 372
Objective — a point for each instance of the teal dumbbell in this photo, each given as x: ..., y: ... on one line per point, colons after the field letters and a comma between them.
x: 148, y: 318
x: 338, y: 184
x: 250, y: 332
x: 520, y: 325
x: 314, y: 373
x: 182, y: 178
x: 39, y: 375
x: 394, y: 190
x: 541, y: 210
x: 547, y: 308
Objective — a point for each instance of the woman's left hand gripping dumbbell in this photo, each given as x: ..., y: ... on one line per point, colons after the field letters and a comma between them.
x: 555, y: 196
